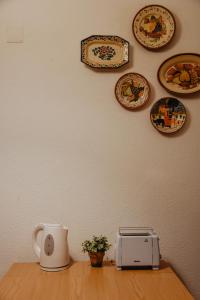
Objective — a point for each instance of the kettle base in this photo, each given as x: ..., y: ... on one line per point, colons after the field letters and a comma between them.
x: 54, y: 269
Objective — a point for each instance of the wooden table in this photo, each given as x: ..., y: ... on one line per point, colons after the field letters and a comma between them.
x: 25, y: 281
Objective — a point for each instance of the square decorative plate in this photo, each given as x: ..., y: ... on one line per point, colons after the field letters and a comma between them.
x: 154, y: 26
x: 168, y: 115
x: 132, y: 90
x: 104, y: 51
x: 180, y: 73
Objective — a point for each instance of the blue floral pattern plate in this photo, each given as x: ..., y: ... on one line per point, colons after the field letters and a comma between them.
x: 104, y: 51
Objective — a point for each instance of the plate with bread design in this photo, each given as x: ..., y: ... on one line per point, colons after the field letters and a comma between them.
x: 180, y: 74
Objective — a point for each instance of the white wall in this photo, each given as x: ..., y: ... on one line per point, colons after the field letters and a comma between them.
x: 70, y: 153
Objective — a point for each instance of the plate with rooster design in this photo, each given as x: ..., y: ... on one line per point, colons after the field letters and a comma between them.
x: 132, y: 90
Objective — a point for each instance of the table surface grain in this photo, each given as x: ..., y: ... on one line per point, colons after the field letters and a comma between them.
x: 25, y: 281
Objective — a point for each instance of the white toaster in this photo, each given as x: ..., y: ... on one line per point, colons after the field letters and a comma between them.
x: 137, y: 247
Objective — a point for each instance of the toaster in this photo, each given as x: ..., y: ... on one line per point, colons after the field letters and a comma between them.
x: 137, y: 247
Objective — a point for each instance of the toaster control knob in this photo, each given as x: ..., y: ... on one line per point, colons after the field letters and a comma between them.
x: 49, y: 245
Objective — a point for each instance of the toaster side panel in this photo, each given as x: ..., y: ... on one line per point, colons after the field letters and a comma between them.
x: 118, y: 251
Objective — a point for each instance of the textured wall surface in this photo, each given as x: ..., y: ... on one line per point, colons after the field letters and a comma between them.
x: 70, y: 153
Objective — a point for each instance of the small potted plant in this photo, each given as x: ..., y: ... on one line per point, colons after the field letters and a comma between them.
x: 96, y: 249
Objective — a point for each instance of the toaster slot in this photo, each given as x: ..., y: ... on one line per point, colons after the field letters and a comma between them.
x: 135, y: 231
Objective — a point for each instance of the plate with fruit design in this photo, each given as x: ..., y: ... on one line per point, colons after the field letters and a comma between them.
x: 180, y: 73
x: 154, y: 26
x: 132, y: 90
x: 104, y: 51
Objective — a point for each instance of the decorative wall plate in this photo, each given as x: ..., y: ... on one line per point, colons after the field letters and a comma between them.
x: 132, y: 90
x: 154, y: 26
x: 104, y: 51
x: 168, y: 115
x: 181, y: 73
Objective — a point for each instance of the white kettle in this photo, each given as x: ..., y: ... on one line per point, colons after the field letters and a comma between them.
x: 53, y: 252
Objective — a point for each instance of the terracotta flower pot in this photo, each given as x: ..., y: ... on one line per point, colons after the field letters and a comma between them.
x: 96, y: 258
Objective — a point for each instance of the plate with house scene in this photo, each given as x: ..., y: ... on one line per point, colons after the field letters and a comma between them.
x: 105, y: 51
x: 168, y: 115
x: 181, y: 73
x: 154, y: 26
x: 132, y: 90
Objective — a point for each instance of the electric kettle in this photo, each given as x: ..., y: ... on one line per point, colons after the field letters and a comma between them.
x: 53, y: 252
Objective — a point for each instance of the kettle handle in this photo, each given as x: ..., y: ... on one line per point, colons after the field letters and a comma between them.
x: 36, y: 247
